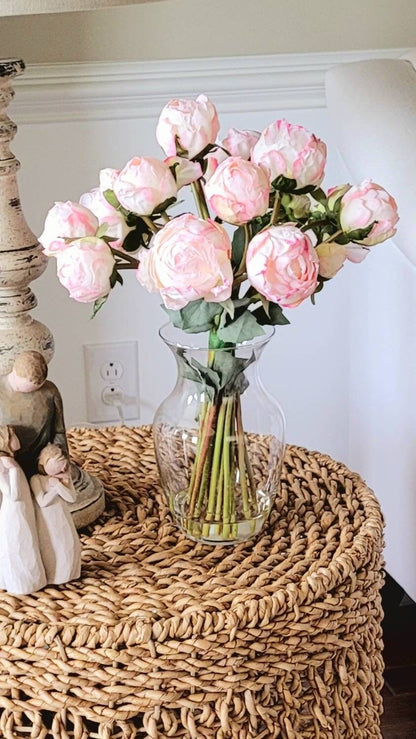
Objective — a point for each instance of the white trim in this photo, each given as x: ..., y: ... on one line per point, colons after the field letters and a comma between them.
x: 122, y: 90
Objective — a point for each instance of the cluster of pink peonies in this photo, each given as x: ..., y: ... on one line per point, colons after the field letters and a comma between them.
x: 290, y: 235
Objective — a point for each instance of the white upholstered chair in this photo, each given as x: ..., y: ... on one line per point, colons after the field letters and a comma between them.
x: 372, y: 105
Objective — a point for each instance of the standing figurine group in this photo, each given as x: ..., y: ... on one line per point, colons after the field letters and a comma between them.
x: 39, y: 544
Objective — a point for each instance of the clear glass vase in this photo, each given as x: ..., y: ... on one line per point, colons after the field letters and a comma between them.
x: 219, y: 439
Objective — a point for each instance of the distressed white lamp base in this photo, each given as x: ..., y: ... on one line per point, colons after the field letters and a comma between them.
x: 21, y: 262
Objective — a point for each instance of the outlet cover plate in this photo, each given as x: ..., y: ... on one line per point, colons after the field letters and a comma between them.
x: 98, y: 358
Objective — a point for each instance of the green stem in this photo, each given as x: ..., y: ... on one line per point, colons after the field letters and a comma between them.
x: 332, y: 238
x: 133, y: 263
x: 227, y: 504
x: 216, y: 460
x: 148, y: 221
x: 202, y: 422
x: 199, y: 196
x: 276, y: 206
x: 242, y: 459
x: 218, y: 507
x: 241, y: 267
x: 200, y: 461
x: 252, y: 482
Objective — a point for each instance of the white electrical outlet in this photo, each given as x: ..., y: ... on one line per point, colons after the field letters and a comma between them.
x: 111, y: 373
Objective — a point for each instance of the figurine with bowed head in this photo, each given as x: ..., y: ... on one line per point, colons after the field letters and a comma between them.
x: 58, y: 539
x: 33, y: 406
x: 21, y: 567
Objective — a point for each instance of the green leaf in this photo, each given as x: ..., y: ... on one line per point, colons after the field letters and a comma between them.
x: 111, y: 198
x: 196, y: 317
x: 163, y: 206
x: 179, y: 150
x: 273, y: 316
x: 231, y: 370
x: 238, y: 246
x: 284, y: 184
x: 319, y: 195
x: 113, y: 276
x: 244, y: 328
x: 97, y: 305
x: 202, y: 375
x: 132, y: 242
x: 360, y: 233
x: 229, y: 307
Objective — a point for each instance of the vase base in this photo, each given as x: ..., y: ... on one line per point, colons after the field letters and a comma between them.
x: 226, y: 533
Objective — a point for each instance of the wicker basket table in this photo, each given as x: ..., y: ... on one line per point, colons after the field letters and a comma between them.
x: 162, y: 637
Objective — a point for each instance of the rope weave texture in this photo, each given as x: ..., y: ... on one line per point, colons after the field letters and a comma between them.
x: 162, y: 637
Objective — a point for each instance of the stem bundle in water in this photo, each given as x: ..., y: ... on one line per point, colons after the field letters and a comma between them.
x: 221, y: 489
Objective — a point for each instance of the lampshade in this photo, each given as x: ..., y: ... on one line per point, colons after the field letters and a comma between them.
x: 372, y: 105
x: 33, y: 7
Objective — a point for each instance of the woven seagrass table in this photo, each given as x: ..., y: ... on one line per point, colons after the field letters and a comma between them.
x: 162, y: 637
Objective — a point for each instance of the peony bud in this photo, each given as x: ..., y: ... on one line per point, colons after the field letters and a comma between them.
x: 66, y: 221
x: 85, y: 269
x: 282, y: 265
x: 366, y: 204
x: 184, y: 171
x: 117, y: 227
x: 238, y: 191
x: 292, y: 151
x: 144, y: 184
x: 186, y: 127
x: 188, y: 259
x: 331, y: 258
x: 240, y: 143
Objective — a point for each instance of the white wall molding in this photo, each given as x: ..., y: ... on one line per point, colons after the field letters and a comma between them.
x: 123, y: 90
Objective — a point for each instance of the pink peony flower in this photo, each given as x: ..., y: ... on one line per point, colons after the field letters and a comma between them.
x: 282, y: 265
x: 238, y: 191
x: 85, y: 269
x: 240, y: 143
x: 365, y: 204
x: 188, y: 259
x: 117, y: 226
x: 108, y: 177
x: 143, y: 184
x: 189, y: 124
x: 66, y: 221
x: 292, y: 151
x: 185, y: 171
x: 331, y: 258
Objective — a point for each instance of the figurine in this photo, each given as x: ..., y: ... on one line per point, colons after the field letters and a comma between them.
x: 21, y: 568
x: 33, y: 406
x: 59, y: 543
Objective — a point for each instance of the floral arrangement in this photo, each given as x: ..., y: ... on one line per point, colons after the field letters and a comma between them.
x: 290, y: 237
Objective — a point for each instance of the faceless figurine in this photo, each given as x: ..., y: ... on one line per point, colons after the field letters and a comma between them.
x: 21, y: 568
x: 33, y: 406
x: 58, y: 539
